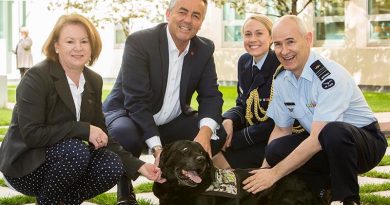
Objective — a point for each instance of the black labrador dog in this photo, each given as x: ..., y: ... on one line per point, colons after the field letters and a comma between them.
x: 189, y: 172
x: 193, y: 180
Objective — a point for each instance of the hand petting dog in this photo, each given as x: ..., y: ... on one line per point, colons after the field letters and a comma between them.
x: 203, y: 138
x: 257, y: 182
x: 151, y: 172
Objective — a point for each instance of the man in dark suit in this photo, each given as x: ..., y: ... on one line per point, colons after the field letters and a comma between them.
x: 161, y: 69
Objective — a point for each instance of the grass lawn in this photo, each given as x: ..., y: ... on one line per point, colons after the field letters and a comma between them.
x: 11, y: 93
x: 5, y: 116
x: 379, y: 102
x: 103, y: 199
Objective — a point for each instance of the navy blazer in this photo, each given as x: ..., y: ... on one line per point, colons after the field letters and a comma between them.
x: 262, y: 81
x: 141, y: 83
x: 45, y: 114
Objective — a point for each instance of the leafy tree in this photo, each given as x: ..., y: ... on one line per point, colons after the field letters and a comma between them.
x: 118, y: 12
x: 272, y: 7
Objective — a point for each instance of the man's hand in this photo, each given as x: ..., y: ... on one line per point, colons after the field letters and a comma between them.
x: 97, y: 137
x: 152, y: 172
x: 203, y: 138
x: 156, y: 155
x: 228, y: 125
x: 261, y: 179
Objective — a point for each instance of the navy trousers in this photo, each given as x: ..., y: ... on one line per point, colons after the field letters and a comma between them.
x: 184, y: 127
x: 346, y: 152
x: 72, y: 173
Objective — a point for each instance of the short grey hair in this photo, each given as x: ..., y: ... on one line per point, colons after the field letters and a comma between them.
x: 173, y: 2
x: 301, y: 25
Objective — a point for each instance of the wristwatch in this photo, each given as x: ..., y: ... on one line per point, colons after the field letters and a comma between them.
x: 155, y: 148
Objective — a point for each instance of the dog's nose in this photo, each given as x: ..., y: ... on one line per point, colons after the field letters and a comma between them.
x: 200, y: 159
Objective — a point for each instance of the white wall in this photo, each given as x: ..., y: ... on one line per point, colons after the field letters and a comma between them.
x: 368, y: 64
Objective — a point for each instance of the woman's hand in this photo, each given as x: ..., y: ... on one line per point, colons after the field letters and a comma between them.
x: 228, y: 125
x: 152, y: 172
x: 97, y: 137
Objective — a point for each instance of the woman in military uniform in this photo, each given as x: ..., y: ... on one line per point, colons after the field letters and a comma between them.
x: 246, y: 125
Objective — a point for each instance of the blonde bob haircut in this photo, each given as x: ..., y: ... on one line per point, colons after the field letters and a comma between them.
x: 263, y: 19
x: 93, y: 36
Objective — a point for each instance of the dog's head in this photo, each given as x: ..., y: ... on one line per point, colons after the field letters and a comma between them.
x: 186, y: 163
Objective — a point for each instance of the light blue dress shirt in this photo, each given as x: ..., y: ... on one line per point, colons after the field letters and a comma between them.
x: 326, y: 92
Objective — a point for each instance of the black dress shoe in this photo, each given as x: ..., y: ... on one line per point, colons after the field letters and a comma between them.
x: 130, y: 200
x: 125, y: 192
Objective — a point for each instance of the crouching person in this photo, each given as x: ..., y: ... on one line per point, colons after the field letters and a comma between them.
x: 344, y: 138
x: 56, y: 148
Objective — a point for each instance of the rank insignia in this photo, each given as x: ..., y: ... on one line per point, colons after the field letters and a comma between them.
x: 328, y: 83
x: 290, y: 106
x: 320, y: 70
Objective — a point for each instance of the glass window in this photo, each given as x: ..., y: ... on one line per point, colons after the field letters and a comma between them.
x: 379, y: 7
x: 120, y: 37
x: 329, y: 8
x: 232, y: 33
x: 231, y: 14
x: 232, y: 22
x: 379, y: 22
x: 330, y: 31
x: 329, y: 22
x: 380, y: 30
x: 2, y: 18
x: 24, y: 13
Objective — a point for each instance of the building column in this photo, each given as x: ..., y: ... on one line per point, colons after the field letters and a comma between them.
x: 3, y: 91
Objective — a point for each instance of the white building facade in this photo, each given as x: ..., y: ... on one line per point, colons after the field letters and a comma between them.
x: 355, y: 33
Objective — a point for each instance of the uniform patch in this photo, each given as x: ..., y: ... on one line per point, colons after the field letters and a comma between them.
x: 328, y: 83
x: 226, y: 184
x: 311, y: 105
x: 320, y: 70
x: 290, y: 106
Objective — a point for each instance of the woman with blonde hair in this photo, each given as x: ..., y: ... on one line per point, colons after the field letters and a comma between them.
x: 247, y: 126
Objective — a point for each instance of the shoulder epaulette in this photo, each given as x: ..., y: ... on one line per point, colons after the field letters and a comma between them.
x: 320, y: 70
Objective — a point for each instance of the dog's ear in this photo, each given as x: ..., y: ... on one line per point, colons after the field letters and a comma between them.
x: 211, y: 167
x: 165, y: 154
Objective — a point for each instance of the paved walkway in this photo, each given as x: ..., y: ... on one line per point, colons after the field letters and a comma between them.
x: 384, y: 121
x: 6, y: 192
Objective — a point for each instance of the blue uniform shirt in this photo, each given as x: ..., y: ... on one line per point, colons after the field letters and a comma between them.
x: 325, y: 91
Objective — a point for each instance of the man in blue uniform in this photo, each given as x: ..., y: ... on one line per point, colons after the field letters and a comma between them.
x: 344, y: 137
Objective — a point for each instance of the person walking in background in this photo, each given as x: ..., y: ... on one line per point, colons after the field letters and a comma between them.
x: 162, y: 67
x: 24, y: 59
x: 247, y: 126
x: 344, y: 138
x: 57, y: 148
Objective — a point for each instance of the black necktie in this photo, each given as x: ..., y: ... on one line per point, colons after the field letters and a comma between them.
x: 255, y: 71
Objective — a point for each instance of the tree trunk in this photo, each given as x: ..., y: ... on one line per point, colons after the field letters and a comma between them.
x: 294, y: 7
